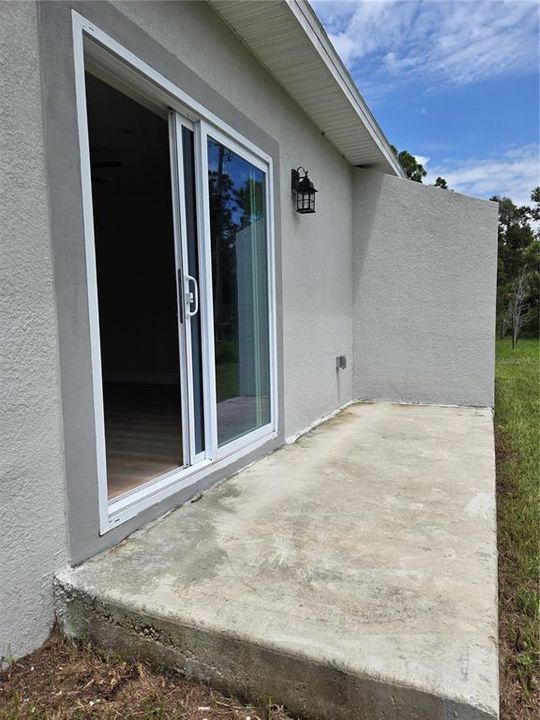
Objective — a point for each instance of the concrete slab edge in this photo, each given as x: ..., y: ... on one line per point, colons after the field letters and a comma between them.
x: 290, y: 439
x: 248, y: 669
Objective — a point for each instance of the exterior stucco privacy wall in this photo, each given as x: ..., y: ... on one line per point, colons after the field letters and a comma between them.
x: 327, y: 305
x: 431, y: 254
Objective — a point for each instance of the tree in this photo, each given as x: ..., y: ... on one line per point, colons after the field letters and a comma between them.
x: 518, y: 263
x: 535, y: 198
x: 235, y: 203
x: 518, y: 306
x: 413, y: 169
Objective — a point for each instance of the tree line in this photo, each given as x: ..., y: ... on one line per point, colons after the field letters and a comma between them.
x: 518, y: 262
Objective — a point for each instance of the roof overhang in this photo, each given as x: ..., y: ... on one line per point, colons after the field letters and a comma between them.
x: 288, y: 39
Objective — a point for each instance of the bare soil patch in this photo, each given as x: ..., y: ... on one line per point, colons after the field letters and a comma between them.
x: 64, y: 682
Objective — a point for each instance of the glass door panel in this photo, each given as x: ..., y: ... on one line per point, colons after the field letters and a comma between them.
x: 153, y: 246
x: 239, y: 251
x: 192, y: 242
x: 136, y: 287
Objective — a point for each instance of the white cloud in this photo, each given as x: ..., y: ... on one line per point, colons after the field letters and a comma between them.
x: 422, y: 159
x: 345, y: 46
x: 443, y: 41
x: 513, y: 174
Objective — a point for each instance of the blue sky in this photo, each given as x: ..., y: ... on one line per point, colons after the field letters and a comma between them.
x: 456, y: 83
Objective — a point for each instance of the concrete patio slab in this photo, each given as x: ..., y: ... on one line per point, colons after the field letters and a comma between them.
x: 350, y: 575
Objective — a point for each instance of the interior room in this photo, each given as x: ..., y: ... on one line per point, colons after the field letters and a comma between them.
x: 136, y: 280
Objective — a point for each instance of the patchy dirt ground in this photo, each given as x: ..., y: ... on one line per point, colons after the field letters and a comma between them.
x: 63, y: 682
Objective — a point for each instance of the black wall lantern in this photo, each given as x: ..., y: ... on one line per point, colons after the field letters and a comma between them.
x: 305, y: 191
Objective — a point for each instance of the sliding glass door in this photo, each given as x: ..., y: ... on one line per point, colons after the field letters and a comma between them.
x: 239, y: 249
x: 181, y: 260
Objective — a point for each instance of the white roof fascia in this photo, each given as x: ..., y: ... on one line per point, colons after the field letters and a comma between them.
x: 282, y: 34
x: 311, y: 24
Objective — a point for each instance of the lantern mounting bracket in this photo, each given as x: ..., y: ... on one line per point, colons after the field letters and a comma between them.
x: 295, y: 178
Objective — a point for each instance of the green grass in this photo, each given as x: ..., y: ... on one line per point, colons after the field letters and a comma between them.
x: 517, y: 423
x: 226, y: 381
x: 226, y: 369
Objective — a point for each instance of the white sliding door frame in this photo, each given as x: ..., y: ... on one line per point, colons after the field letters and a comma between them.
x: 133, y: 74
x: 181, y: 256
x: 205, y: 275
x: 91, y: 275
x: 206, y: 130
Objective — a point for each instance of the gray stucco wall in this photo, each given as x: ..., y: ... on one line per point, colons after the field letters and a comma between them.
x: 32, y: 505
x: 189, y: 44
x: 316, y: 249
x: 424, y: 293
x: 402, y: 352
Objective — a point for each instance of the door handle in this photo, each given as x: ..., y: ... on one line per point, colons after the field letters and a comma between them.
x: 192, y: 296
x: 181, y: 296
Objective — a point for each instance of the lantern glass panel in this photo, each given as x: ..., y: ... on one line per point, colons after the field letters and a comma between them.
x: 305, y: 192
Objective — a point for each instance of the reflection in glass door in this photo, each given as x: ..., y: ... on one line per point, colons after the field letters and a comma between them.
x: 239, y: 251
x: 180, y: 245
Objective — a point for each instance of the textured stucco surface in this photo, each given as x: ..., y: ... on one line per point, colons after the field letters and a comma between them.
x: 350, y: 575
x: 33, y: 542
x: 189, y: 43
x: 397, y: 356
x: 425, y: 269
x: 316, y: 249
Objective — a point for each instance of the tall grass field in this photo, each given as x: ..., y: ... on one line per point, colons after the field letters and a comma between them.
x: 517, y: 432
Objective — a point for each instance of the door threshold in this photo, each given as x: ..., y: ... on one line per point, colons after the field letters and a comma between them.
x: 133, y: 503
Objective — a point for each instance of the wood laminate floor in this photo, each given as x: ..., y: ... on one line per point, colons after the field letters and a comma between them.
x: 143, y: 433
